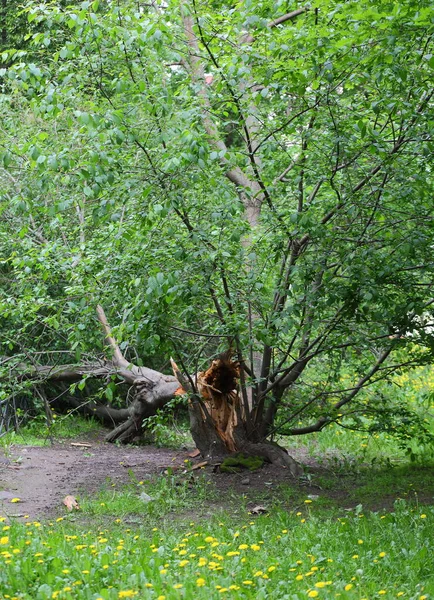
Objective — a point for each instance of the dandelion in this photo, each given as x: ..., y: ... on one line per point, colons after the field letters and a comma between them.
x: 423, y: 517
x: 382, y: 554
x: 182, y: 563
x: 200, y: 582
x: 127, y: 594
x: 177, y: 586
x: 271, y: 569
x: 382, y: 592
x: 255, y: 547
x: 299, y: 578
x: 4, y: 540
x: 355, y: 556
x: 248, y: 582
x: 243, y: 547
x: 348, y: 587
x: 320, y: 584
x: 15, y: 500
x: 313, y: 594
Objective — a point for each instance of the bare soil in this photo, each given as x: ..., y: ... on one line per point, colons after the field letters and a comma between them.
x: 41, y: 477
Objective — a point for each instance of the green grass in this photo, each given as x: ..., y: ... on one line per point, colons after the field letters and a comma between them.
x: 280, y: 556
x: 151, y: 500
x: 36, y: 432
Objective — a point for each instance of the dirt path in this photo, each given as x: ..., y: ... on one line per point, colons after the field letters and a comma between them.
x: 42, y: 476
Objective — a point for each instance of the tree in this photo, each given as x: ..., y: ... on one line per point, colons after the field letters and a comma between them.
x: 253, y: 175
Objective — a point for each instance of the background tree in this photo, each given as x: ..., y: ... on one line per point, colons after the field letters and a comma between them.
x: 253, y: 175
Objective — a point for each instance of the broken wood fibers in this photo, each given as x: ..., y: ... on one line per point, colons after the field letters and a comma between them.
x: 217, y: 387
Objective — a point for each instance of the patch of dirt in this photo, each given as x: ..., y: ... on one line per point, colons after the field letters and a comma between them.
x: 42, y: 476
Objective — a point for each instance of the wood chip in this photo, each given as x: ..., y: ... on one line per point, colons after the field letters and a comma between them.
x: 199, y: 465
x: 258, y: 510
x: 81, y: 444
x: 194, y: 453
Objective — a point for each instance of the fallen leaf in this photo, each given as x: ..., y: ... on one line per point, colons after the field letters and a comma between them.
x: 258, y: 510
x: 70, y: 502
x: 194, y: 453
x: 14, y: 500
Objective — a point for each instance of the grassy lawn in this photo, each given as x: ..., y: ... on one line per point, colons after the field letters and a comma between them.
x: 306, y: 554
x: 169, y: 538
x: 119, y: 546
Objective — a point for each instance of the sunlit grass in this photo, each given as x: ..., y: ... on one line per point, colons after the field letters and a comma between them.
x: 286, y: 556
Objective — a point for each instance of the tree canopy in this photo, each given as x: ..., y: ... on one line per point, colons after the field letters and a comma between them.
x: 254, y: 175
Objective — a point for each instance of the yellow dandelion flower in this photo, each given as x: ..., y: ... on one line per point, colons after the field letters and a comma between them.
x: 4, y: 540
x: 423, y: 517
x: 382, y: 554
x: 299, y: 578
x: 177, y: 586
x: 382, y: 592
x: 348, y: 587
x: 255, y: 547
x: 200, y: 582
x: 312, y: 594
x: 320, y: 584
x: 15, y: 500
x: 243, y: 547
x: 248, y: 582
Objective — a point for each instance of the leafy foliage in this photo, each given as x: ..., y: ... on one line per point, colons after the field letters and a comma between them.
x: 203, y: 168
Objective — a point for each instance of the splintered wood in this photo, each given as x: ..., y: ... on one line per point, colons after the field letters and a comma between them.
x: 217, y: 387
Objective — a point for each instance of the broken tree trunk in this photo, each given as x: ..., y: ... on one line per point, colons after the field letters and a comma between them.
x: 218, y: 423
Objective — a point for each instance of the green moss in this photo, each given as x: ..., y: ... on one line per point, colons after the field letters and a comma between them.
x: 238, y: 462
